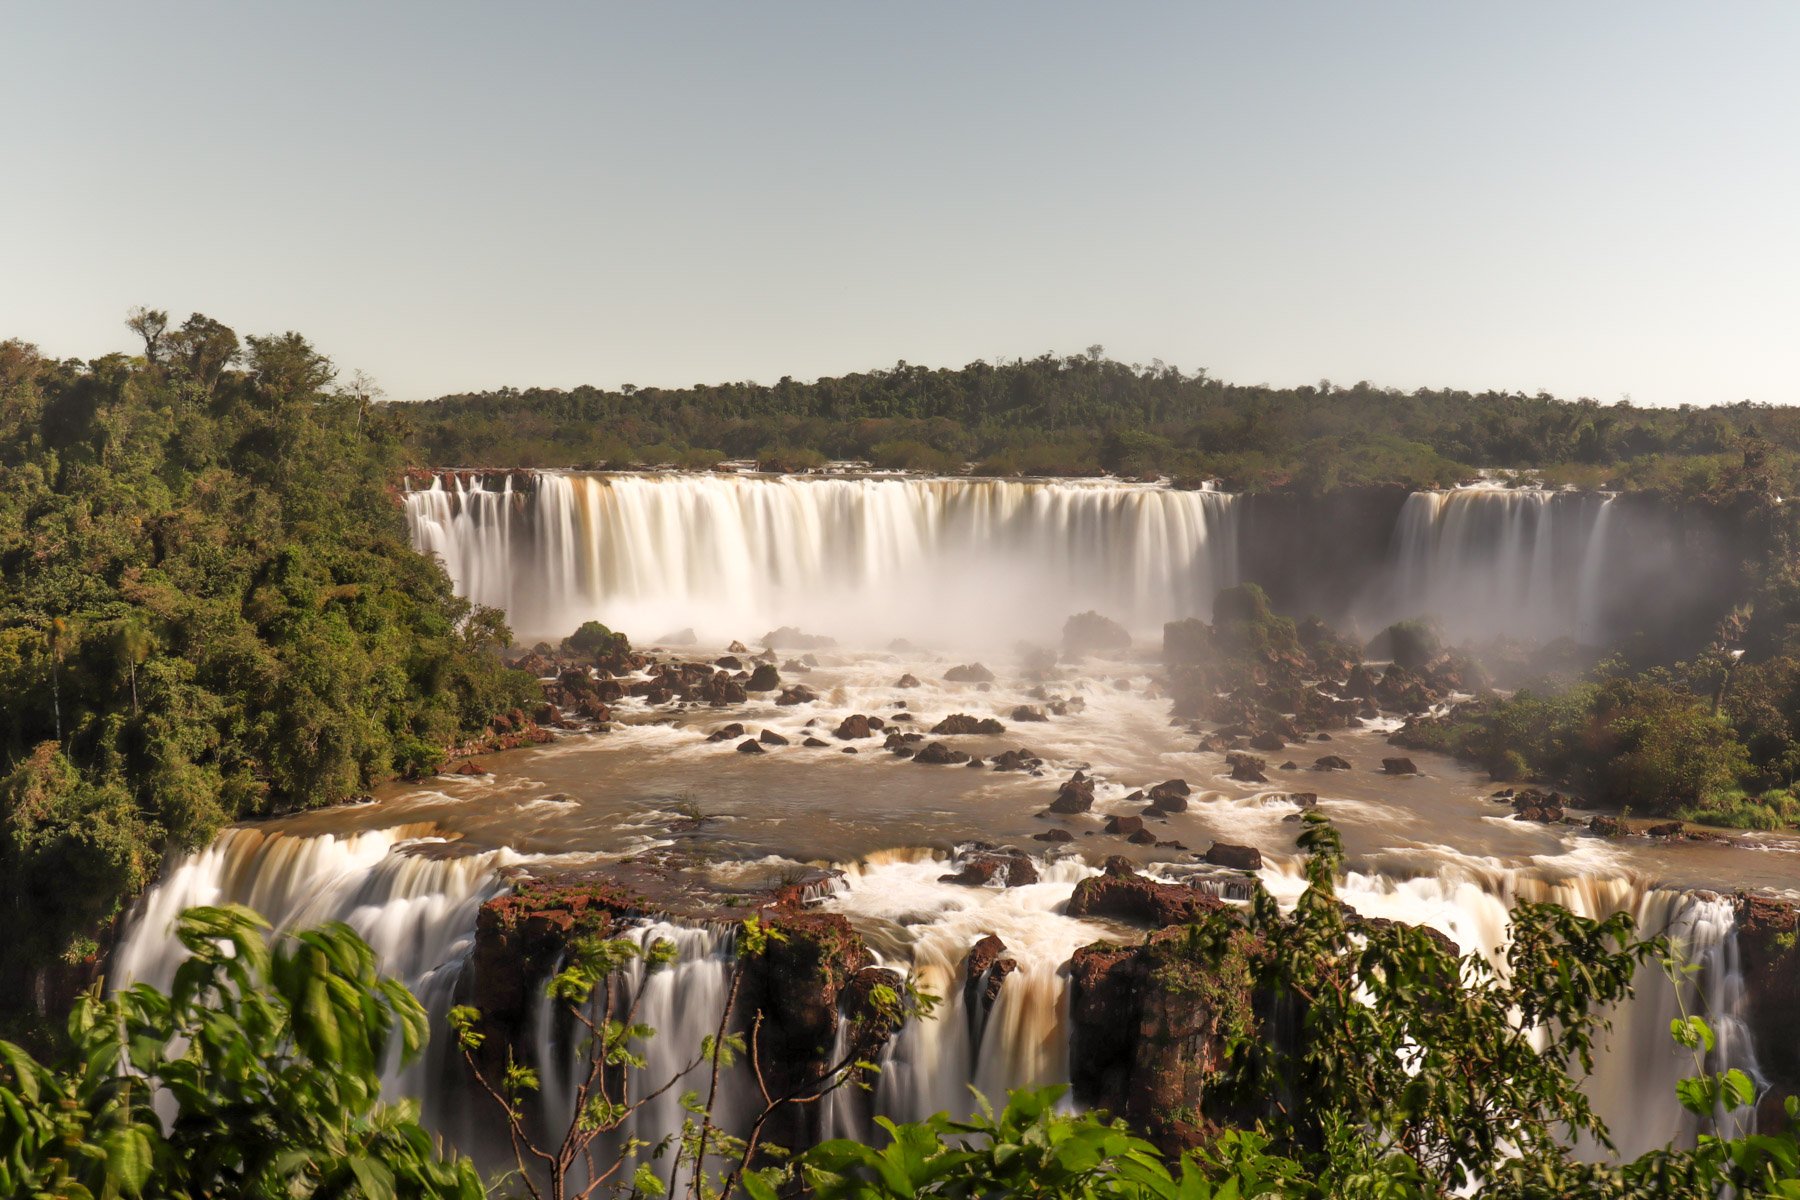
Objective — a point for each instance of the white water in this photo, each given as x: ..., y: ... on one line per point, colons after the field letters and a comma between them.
x: 418, y: 911
x: 415, y: 906
x: 1486, y: 561
x: 970, y: 561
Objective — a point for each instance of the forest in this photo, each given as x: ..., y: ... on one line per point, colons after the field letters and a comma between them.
x: 209, y: 610
x: 1085, y: 414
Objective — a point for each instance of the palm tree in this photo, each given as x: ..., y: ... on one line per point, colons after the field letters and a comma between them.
x: 64, y: 633
x: 135, y: 643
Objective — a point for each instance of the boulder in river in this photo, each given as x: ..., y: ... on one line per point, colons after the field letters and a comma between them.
x: 1267, y: 740
x: 854, y: 726
x: 796, y: 693
x: 1009, y: 868
x: 1609, y: 827
x: 1122, y: 893
x: 1669, y: 829
x: 1247, y: 768
x: 969, y: 673
x: 1239, y: 858
x: 1053, y: 835
x: 961, y: 723
x: 764, y: 679
x: 989, y: 965
x: 908, y: 680
x: 1076, y: 795
x: 726, y: 732
x: 1399, y: 766
x: 769, y: 737
x: 737, y: 647
x: 941, y: 755
x: 814, y: 742
x: 1124, y: 826
x: 1171, y: 795
x: 750, y: 746
x: 1028, y: 712
x: 1331, y: 762
x: 1016, y: 760
x: 468, y: 768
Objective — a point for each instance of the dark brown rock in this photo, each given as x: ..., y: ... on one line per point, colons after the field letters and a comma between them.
x: 769, y: 737
x: 1331, y: 762
x: 1399, y: 766
x: 969, y: 673
x: 1239, y: 858
x: 962, y: 723
x: 1122, y: 893
x: 940, y: 755
x: 1027, y: 712
x: 1053, y: 835
x: 1124, y: 826
x: 750, y: 746
x: 854, y: 726
x: 1010, y: 868
x: 796, y: 693
x: 1171, y: 795
x: 1076, y: 795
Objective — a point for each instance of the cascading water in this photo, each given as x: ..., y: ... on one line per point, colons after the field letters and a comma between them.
x: 1485, y: 560
x: 983, y: 561
x: 400, y: 888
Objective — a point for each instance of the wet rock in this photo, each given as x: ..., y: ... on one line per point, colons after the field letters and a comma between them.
x: 849, y: 750
x: 1769, y: 961
x: 750, y: 746
x: 729, y: 662
x: 1028, y: 712
x: 737, y: 648
x: 854, y: 726
x: 1608, y: 827
x: 797, y: 693
x: 1017, y: 760
x: 468, y: 768
x: 1247, y: 768
x: 988, y: 966
x: 907, y: 681
x: 814, y: 742
x: 1007, y: 868
x: 975, y: 761
x: 1669, y: 829
x: 1238, y: 858
x: 769, y: 737
x: 969, y: 673
x: 726, y: 732
x: 1143, y: 837
x: 764, y: 679
x: 1399, y: 766
x: 1331, y: 762
x: 1171, y: 795
x: 902, y: 750
x: 1149, y: 1028
x: 1267, y: 741
x: 1304, y: 799
x: 963, y: 723
x: 1171, y: 845
x: 1120, y: 892
x: 1124, y: 826
x: 941, y: 755
x: 1076, y: 795
x: 1053, y: 835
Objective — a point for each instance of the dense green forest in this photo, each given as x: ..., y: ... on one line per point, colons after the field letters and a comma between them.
x: 1085, y: 414
x: 208, y: 609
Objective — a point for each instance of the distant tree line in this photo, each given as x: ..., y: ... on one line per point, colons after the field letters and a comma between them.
x: 1086, y: 414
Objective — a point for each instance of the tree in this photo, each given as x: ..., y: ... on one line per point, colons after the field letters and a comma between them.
x: 270, y: 1059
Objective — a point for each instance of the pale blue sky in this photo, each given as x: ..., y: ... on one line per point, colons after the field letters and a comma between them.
x: 1588, y: 198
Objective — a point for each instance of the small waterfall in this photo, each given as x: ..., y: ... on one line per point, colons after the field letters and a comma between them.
x: 682, y: 1003
x: 399, y: 888
x: 1516, y: 561
x: 975, y: 560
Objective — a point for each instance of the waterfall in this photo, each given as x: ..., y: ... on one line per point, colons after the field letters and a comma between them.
x: 401, y: 888
x: 977, y: 560
x: 417, y: 904
x: 1516, y: 561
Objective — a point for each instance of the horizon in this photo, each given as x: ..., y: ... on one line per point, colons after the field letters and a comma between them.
x: 450, y: 198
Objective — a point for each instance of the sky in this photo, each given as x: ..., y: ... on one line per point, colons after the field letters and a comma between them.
x: 1597, y: 199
